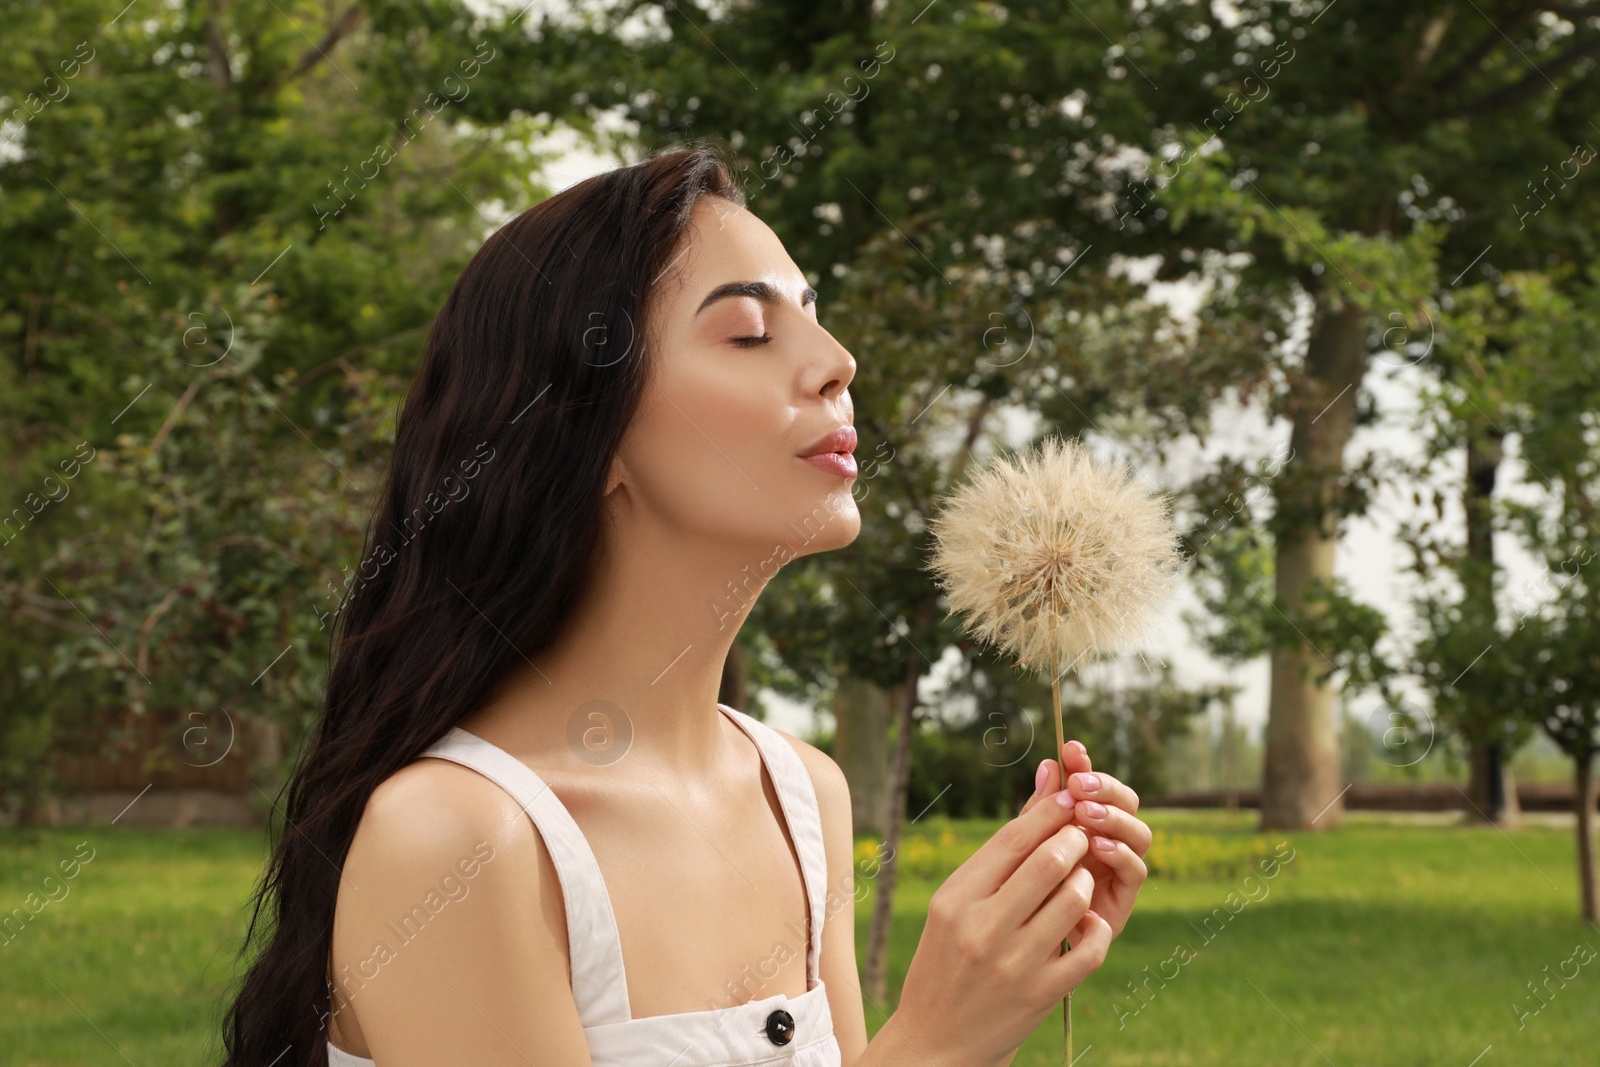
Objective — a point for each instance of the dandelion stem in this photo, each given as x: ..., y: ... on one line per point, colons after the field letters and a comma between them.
x: 1061, y: 744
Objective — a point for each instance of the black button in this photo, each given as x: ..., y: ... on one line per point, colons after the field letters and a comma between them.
x: 780, y: 1027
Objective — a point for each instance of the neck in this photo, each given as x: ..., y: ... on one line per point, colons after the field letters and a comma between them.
x: 641, y: 654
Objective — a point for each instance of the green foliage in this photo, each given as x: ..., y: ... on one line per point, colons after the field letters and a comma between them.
x: 1365, y: 156
x: 224, y: 247
x: 983, y: 766
x: 925, y: 175
x: 215, y: 284
x: 1517, y: 360
x: 957, y: 775
x: 1236, y: 569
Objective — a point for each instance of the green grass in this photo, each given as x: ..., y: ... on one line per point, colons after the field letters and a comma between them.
x: 1380, y: 943
x: 132, y: 963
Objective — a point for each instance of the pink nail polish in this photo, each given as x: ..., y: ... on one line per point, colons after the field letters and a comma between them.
x: 1105, y: 844
x: 1094, y: 809
x: 1064, y: 798
x: 1088, y: 782
x: 1040, y: 777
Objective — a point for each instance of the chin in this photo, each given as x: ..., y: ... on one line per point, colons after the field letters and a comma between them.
x: 832, y: 521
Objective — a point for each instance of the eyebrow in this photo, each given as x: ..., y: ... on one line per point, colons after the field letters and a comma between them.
x: 760, y: 290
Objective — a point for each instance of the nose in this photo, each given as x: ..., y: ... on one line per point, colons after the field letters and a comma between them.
x: 833, y: 369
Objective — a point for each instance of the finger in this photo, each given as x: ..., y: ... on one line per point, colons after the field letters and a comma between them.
x: 1104, y: 788
x: 1075, y: 757
x: 1114, y: 898
x: 1089, y: 942
x: 999, y: 857
x: 1113, y: 822
x: 1045, y: 778
x: 1060, y: 913
x: 1040, y: 875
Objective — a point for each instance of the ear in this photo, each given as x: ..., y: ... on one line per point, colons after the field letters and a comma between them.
x: 616, y: 476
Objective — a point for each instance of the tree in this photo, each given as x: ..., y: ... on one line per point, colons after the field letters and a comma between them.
x: 1492, y: 343
x: 227, y: 227
x: 1554, y: 658
x: 1352, y: 158
x: 1550, y: 654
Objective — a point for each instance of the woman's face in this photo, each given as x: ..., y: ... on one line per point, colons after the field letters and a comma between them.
x: 744, y: 383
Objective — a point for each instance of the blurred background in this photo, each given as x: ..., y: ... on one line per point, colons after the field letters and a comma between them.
x: 1324, y: 272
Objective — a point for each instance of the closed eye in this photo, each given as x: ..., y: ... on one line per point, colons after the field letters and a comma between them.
x: 751, y: 342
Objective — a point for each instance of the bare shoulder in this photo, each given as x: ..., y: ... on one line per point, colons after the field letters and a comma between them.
x: 449, y: 924
x: 433, y: 807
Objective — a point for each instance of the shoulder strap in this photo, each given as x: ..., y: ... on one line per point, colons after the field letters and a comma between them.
x: 598, y: 983
x: 798, y: 798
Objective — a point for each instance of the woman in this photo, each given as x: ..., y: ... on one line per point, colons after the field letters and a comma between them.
x: 524, y: 831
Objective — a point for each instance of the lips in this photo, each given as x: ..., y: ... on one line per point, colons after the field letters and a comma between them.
x: 833, y: 452
x: 842, y: 439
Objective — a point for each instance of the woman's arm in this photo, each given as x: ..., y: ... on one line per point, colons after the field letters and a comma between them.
x: 450, y: 939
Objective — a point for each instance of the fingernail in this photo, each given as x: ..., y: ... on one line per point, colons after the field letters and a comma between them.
x: 1064, y: 798
x: 1105, y: 844
x: 1040, y: 777
x: 1088, y: 782
x: 1080, y: 746
x: 1094, y: 809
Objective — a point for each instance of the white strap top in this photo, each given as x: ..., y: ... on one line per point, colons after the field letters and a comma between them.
x: 778, y: 1029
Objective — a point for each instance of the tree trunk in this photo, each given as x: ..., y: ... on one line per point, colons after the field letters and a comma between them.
x: 888, y: 873
x: 38, y: 809
x: 262, y: 741
x: 1300, y: 778
x: 863, y: 714
x: 1584, y: 798
x: 1490, y: 788
x: 1230, y: 755
x: 900, y: 778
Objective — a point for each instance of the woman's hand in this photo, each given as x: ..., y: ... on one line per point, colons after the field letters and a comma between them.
x: 1118, y: 840
x: 989, y: 968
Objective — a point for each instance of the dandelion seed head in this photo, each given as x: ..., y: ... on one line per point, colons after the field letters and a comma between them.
x: 1055, y: 557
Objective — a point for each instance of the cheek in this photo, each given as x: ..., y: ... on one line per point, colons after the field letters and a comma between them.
x: 702, y: 447
x: 713, y: 451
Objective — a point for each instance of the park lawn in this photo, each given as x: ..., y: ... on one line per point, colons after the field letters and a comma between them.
x: 1380, y: 943
x: 132, y: 964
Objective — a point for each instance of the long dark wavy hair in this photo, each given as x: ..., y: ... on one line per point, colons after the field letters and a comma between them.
x: 531, y: 373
